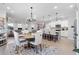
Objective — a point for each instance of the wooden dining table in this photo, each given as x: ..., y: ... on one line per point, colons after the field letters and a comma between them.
x: 28, y: 37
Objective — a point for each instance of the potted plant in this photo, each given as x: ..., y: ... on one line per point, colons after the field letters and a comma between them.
x: 77, y: 51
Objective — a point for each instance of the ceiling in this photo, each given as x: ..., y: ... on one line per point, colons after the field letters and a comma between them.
x: 41, y: 11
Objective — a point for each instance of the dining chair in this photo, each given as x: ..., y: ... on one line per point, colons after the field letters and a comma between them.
x: 18, y: 44
x: 38, y: 41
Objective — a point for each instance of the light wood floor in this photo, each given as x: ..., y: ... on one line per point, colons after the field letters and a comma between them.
x: 64, y: 45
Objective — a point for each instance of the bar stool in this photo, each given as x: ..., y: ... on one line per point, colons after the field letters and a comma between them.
x: 44, y: 37
x: 56, y: 37
x: 52, y: 37
x: 47, y: 36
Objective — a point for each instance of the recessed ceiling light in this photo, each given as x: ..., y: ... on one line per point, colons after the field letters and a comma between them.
x: 55, y: 7
x: 62, y: 16
x: 8, y: 7
x: 35, y: 16
x: 12, y: 11
x: 71, y: 6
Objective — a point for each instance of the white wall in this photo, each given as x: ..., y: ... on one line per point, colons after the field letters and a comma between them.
x: 2, y: 11
x: 64, y: 23
x: 16, y: 26
x: 70, y: 29
x: 3, y: 15
x: 77, y: 17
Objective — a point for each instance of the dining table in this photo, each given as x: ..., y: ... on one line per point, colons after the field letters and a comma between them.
x: 27, y: 36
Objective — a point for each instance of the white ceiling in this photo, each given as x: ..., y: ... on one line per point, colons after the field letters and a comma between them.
x: 21, y: 11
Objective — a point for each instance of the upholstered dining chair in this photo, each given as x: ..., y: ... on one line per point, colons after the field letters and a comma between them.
x: 38, y: 41
x: 18, y: 44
